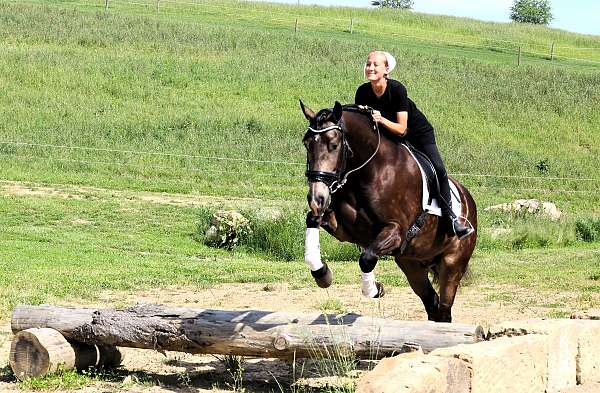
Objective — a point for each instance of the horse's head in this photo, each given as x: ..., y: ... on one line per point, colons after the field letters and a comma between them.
x: 325, y: 146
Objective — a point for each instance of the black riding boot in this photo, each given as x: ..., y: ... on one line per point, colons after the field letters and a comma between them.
x: 454, y: 226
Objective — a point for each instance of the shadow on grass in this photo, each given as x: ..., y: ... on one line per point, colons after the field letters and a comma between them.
x: 6, y: 374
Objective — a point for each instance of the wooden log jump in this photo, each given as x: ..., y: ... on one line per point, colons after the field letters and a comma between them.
x: 40, y: 351
x: 247, y: 333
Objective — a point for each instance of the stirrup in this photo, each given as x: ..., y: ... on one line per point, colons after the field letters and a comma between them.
x: 461, y: 231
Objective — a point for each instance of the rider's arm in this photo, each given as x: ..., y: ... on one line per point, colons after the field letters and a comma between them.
x: 399, y: 127
x: 400, y: 101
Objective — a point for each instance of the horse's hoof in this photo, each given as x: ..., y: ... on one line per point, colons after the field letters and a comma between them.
x: 380, y: 290
x: 323, y: 277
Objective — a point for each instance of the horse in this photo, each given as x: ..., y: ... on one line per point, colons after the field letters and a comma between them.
x: 366, y: 188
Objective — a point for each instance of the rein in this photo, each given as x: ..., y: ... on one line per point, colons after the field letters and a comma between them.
x: 335, y: 180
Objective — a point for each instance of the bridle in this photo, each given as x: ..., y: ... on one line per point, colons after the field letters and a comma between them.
x: 333, y: 180
x: 336, y: 180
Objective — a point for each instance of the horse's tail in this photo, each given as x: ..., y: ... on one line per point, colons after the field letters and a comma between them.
x: 435, y: 274
x: 433, y: 269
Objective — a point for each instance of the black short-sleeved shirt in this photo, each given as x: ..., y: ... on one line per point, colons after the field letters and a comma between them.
x: 393, y: 100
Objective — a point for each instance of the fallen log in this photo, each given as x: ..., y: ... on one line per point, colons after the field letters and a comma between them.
x: 40, y: 351
x: 248, y: 333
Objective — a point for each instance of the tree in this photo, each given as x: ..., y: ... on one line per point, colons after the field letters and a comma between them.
x: 404, y: 4
x: 531, y: 11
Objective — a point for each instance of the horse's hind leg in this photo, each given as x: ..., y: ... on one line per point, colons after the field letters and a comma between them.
x: 451, y: 270
x: 418, y: 278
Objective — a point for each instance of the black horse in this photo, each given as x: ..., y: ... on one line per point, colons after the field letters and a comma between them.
x: 376, y: 205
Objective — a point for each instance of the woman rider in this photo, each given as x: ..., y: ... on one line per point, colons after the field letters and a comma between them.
x: 399, y: 114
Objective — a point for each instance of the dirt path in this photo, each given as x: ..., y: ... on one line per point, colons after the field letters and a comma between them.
x: 65, y: 191
x: 151, y: 371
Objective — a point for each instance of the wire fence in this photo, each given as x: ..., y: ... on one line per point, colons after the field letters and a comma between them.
x: 274, y: 176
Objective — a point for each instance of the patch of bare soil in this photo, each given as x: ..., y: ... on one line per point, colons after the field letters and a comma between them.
x: 151, y: 371
x: 93, y: 193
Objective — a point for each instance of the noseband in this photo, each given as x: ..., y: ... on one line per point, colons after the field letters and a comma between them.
x: 335, y: 180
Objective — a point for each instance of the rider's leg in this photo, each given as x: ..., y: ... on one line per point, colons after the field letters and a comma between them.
x: 433, y: 153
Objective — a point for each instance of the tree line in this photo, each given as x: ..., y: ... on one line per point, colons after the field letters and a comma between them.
x: 523, y: 11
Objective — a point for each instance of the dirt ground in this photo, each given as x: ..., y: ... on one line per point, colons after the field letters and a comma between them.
x: 151, y: 371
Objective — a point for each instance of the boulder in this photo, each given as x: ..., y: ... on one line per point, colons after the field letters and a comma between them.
x: 416, y: 373
x: 504, y: 365
x: 562, y: 341
x: 529, y: 206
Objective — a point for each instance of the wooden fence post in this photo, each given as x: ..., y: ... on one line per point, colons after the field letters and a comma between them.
x: 519, y: 57
x: 351, y: 24
x: 106, y: 6
x: 296, y: 26
x: 157, y: 6
x: 552, y: 52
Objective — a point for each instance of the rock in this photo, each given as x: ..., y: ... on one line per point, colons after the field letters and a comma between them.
x: 529, y: 206
x: 593, y: 387
x: 504, y: 365
x: 333, y: 383
x: 415, y: 372
x: 563, y: 341
x: 588, y: 361
x: 593, y: 314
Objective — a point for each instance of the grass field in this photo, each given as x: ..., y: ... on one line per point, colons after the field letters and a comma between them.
x: 200, y: 100
x: 121, y: 131
x: 191, y: 99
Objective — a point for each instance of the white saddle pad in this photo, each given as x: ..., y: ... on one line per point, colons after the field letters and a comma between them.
x: 434, y: 207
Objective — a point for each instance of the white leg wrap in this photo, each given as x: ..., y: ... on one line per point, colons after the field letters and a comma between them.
x: 367, y: 285
x: 312, y: 249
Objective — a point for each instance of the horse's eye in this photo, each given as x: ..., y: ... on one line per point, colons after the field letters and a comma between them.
x: 334, y: 146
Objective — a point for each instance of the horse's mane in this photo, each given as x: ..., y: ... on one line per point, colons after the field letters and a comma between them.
x: 366, y: 112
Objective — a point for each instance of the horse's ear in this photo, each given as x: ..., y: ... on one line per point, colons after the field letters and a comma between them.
x: 337, y: 111
x: 308, y: 113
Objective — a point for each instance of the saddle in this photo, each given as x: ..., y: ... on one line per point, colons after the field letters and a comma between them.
x: 433, y: 183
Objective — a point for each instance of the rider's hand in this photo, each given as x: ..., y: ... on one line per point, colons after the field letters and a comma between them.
x: 377, y: 118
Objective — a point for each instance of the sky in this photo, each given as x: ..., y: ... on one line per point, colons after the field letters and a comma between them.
x: 580, y: 16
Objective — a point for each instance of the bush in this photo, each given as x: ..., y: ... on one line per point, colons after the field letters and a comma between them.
x: 531, y: 11
x: 588, y: 230
x: 280, y: 236
x: 404, y: 4
x: 226, y: 229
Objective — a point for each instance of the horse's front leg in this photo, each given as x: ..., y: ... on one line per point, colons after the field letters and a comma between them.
x: 386, y: 241
x: 312, y: 253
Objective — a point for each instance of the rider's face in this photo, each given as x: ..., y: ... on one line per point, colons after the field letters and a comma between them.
x: 375, y: 68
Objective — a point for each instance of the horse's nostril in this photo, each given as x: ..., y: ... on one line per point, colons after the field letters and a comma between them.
x: 321, y: 200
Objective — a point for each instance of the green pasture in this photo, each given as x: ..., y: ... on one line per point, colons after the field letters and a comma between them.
x: 123, y: 130
x: 58, y: 249
x: 202, y: 99
x: 196, y: 99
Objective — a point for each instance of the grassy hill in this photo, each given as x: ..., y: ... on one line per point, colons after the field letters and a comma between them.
x: 203, y: 96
